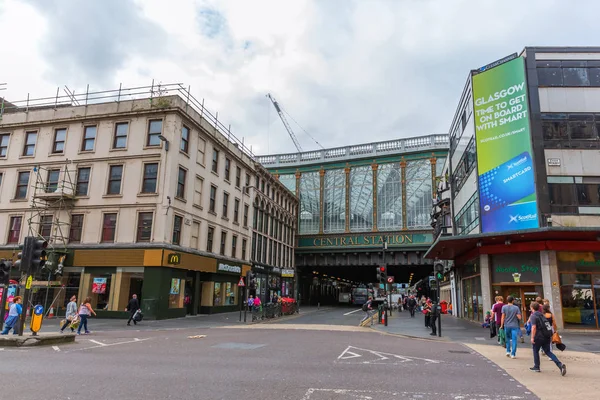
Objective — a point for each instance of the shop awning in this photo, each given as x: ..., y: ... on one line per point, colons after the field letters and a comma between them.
x: 550, y: 238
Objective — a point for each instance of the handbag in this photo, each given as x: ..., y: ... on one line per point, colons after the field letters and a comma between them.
x: 502, y: 335
x: 556, y: 338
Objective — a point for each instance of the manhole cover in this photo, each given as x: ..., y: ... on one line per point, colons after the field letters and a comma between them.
x: 459, y: 351
x: 238, y: 346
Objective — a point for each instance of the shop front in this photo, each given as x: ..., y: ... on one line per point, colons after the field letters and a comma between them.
x: 287, y: 282
x: 470, y: 291
x: 220, y: 291
x: 262, y: 279
x: 579, y: 275
x: 274, y: 284
x: 518, y: 275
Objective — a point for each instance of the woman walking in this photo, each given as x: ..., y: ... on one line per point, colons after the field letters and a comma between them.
x: 70, y: 314
x: 14, y: 313
x: 85, y: 310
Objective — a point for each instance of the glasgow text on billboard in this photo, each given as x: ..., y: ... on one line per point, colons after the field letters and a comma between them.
x: 507, y: 194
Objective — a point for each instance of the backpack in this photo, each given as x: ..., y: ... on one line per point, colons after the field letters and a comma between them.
x: 365, y: 307
x: 412, y: 303
x: 543, y: 326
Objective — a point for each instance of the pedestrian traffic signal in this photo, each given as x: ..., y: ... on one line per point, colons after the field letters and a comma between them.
x: 438, y: 268
x: 5, y: 267
x: 38, y: 254
x: 18, y: 263
x: 251, y: 279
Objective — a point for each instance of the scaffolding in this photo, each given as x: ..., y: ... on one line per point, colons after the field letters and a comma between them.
x: 52, y: 203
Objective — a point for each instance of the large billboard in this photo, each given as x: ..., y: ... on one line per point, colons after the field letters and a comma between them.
x: 507, y: 195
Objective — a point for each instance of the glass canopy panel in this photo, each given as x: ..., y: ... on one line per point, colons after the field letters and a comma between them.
x: 389, y: 197
x: 289, y: 181
x: 361, y: 199
x: 334, y: 201
x: 310, y: 188
x: 419, y: 199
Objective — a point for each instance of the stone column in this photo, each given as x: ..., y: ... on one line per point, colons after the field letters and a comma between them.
x: 486, y: 287
x: 321, y: 198
x: 298, y: 175
x: 433, y: 162
x: 347, y: 212
x: 403, y: 176
x: 196, y: 297
x: 374, y: 167
x: 550, y: 280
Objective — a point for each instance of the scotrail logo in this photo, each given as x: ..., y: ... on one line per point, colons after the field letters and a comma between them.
x: 522, y: 218
x: 517, y: 163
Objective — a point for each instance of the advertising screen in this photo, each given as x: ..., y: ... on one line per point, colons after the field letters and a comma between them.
x: 507, y: 195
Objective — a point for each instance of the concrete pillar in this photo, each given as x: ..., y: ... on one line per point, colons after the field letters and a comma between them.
x: 196, y: 297
x: 550, y: 281
x: 486, y: 287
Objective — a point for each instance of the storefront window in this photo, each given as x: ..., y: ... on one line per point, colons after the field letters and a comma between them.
x: 578, y: 300
x: 472, y: 300
x: 217, y: 301
x: 101, y: 289
x: 230, y: 294
x: 175, y: 294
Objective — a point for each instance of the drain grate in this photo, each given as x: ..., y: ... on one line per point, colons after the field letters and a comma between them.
x: 459, y: 351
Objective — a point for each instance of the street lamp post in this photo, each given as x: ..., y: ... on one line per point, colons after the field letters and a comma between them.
x: 385, y: 245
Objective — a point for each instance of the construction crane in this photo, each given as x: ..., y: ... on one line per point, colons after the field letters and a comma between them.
x: 285, y: 123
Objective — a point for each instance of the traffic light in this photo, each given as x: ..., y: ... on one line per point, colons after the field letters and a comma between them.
x: 38, y: 254
x: 5, y: 267
x: 438, y: 269
x: 382, y: 273
x: 251, y: 279
x: 18, y: 263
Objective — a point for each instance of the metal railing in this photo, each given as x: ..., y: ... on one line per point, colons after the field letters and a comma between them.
x: 274, y: 310
x: 398, y: 146
x: 155, y: 93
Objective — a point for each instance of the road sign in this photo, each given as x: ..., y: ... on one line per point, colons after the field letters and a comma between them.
x: 390, y: 279
x: 36, y: 319
x: 38, y: 310
x: 241, y: 282
x: 29, y: 280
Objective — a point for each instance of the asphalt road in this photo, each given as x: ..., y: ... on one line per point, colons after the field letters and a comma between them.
x: 285, y: 362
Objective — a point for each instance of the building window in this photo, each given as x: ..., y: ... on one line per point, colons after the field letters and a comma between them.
x: 22, y: 184
x: 181, y: 183
x: 144, y: 227
x: 234, y: 246
x: 4, y: 139
x: 114, y: 179
x: 154, y: 131
x: 246, y: 210
x: 1, y: 175
x: 89, y: 138
x: 244, y: 244
x: 83, y: 181
x: 60, y: 135
x: 14, y: 230
x: 238, y: 176
x: 215, y: 161
x: 209, y: 239
x: 236, y: 210
x: 194, y: 242
x: 225, y: 204
x: 247, y: 188
x: 46, y: 226
x: 227, y: 168
x: 177, y: 223
x: 76, y: 228
x: 223, y: 242
x: 201, y: 150
x: 150, y: 177
x: 30, y: 139
x: 120, y: 140
x: 198, y: 191
x: 52, y: 181
x: 213, y: 196
x: 109, y: 227
x: 185, y: 139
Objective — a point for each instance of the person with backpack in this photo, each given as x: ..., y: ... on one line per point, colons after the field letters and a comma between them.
x: 367, y: 308
x: 14, y: 314
x: 541, y: 337
x: 412, y: 305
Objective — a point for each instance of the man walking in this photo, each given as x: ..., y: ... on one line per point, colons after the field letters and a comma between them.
x: 367, y: 308
x: 133, y: 306
x: 541, y: 336
x: 412, y: 305
x: 511, y: 317
x: 434, y: 315
x: 497, y: 314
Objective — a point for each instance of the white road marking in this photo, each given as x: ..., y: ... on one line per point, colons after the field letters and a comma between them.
x: 378, y: 357
x: 55, y: 348
x: 321, y: 394
x: 479, y: 338
x: 352, y: 312
x: 136, y: 340
x: 97, y: 342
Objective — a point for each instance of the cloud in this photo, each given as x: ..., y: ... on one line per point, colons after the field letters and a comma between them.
x: 348, y: 71
x: 90, y: 41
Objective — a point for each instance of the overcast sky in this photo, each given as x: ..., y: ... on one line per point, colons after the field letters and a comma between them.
x: 347, y: 71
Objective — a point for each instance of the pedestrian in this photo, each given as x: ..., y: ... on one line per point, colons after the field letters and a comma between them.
x: 251, y: 302
x: 541, y: 336
x: 550, y: 317
x: 434, y: 315
x: 450, y: 308
x: 510, y: 322
x: 412, y: 305
x: 497, y: 313
x: 257, y: 302
x: 70, y: 314
x: 367, y: 308
x: 85, y: 310
x: 14, y: 314
x: 427, y: 312
x: 133, y: 306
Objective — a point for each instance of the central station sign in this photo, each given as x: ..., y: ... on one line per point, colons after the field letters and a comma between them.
x: 366, y: 240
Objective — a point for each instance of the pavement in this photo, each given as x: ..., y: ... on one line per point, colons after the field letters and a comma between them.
x: 41, y: 339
